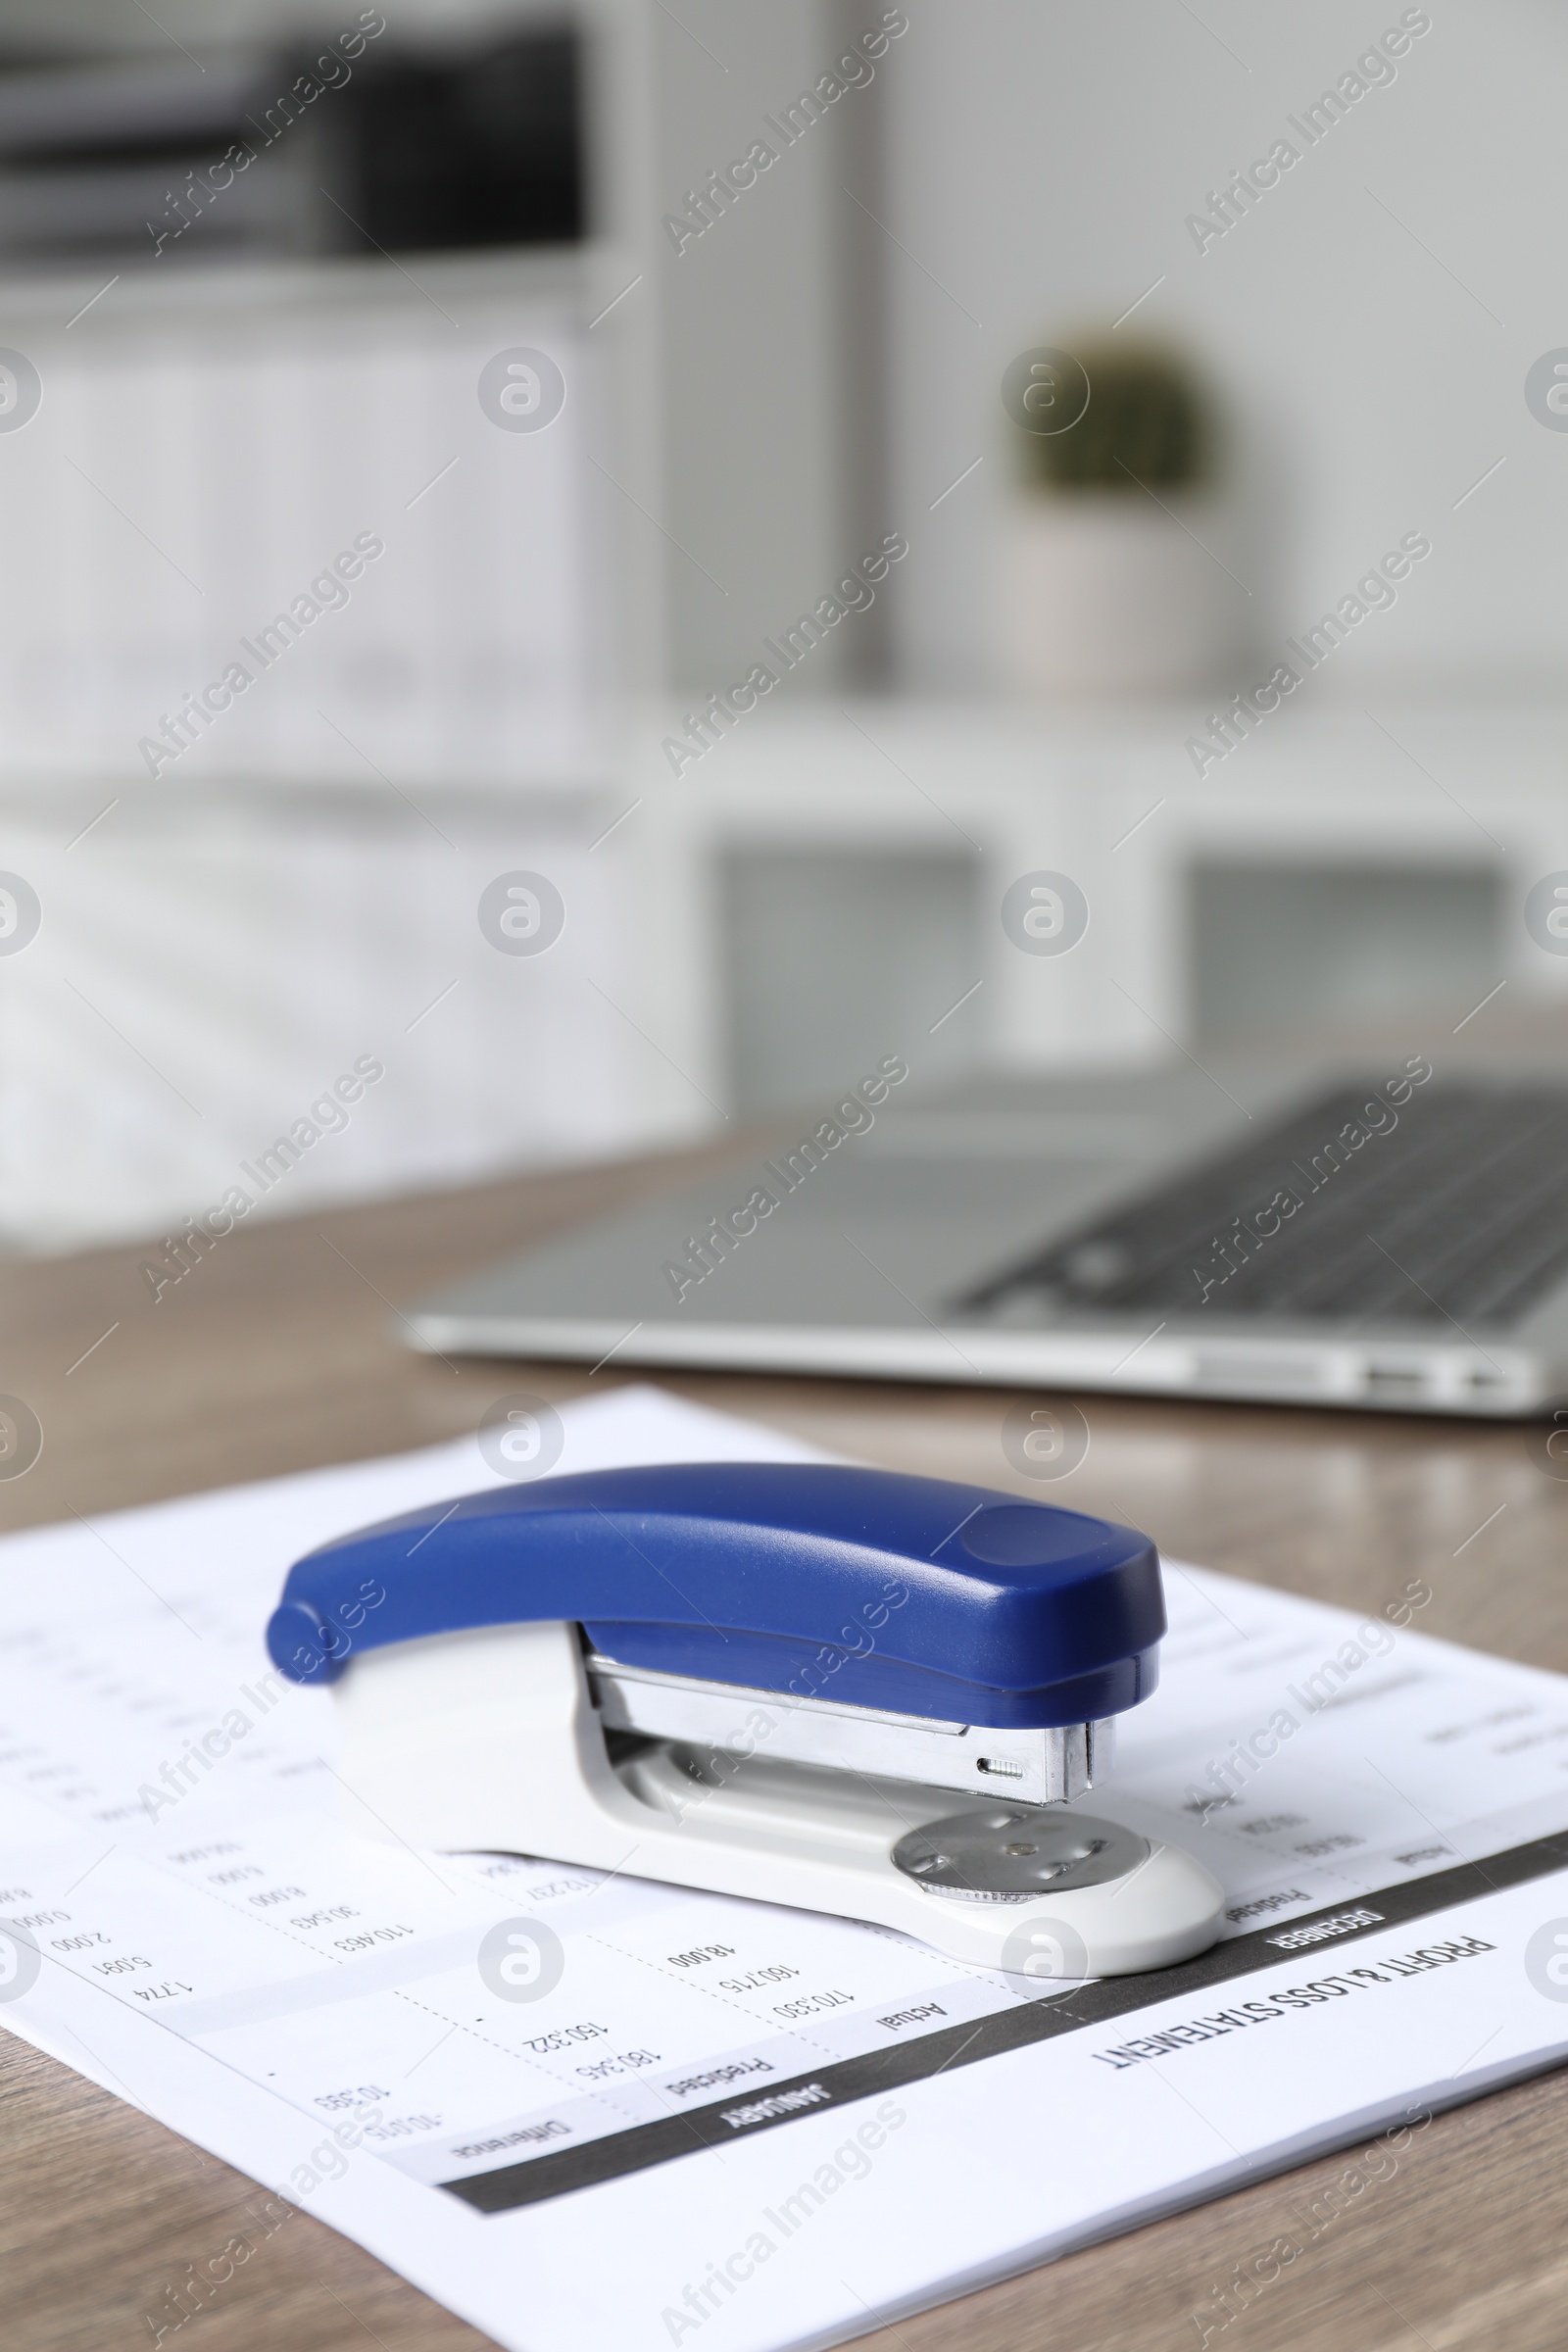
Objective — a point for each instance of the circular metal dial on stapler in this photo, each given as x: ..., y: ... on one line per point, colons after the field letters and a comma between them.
x: 1010, y: 1857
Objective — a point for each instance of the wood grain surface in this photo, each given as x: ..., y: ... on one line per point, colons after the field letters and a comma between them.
x: 283, y: 1350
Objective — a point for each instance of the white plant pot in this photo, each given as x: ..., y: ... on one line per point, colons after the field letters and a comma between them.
x: 1110, y: 595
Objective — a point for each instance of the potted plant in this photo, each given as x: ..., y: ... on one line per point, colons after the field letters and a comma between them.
x: 1108, y: 586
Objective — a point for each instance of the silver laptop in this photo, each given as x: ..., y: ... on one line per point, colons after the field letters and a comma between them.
x: 1392, y: 1237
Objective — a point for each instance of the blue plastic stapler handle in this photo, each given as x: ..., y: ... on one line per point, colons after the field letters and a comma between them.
x: 873, y: 1589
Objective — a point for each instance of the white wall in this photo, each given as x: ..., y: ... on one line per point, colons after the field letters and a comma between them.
x: 1041, y: 161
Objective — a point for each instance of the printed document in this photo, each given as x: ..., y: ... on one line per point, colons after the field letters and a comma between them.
x: 726, y: 2123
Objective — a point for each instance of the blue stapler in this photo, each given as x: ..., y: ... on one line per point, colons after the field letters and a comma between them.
x: 840, y: 1689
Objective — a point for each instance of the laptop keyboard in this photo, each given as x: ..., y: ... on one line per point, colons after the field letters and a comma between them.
x: 1452, y: 1207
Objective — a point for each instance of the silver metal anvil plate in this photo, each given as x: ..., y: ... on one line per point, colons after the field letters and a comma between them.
x: 1043, y: 1767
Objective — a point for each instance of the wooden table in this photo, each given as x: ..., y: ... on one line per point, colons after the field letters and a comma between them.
x: 282, y: 1351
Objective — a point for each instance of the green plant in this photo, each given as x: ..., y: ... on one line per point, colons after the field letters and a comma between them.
x: 1147, y: 424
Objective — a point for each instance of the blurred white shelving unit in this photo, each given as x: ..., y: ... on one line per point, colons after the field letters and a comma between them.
x: 227, y: 929
x: 209, y: 961
x: 204, y: 971
x: 1423, y: 793
x: 300, y: 886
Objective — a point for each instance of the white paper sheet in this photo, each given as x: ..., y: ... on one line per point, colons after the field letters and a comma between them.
x: 732, y: 2121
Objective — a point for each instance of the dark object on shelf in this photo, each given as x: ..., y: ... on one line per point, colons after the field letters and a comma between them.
x: 293, y: 153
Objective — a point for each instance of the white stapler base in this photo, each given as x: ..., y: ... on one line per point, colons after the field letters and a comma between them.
x: 489, y: 1741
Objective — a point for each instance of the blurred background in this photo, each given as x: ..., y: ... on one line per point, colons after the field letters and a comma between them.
x: 631, y: 447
